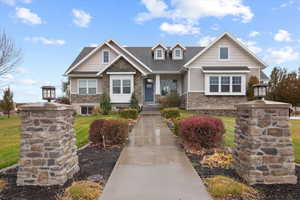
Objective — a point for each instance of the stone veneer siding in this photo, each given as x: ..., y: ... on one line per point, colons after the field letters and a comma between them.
x: 263, y: 152
x: 48, y: 152
x: 76, y: 98
x: 183, y: 101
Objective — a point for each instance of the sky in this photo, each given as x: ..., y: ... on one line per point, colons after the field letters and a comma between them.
x: 51, y: 33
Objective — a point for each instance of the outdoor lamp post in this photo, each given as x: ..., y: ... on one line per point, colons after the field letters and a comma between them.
x: 260, y: 90
x: 48, y: 93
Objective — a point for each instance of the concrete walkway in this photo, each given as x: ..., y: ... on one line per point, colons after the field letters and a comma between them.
x: 152, y: 167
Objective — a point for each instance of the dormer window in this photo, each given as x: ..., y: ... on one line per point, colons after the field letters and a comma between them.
x: 177, y: 51
x: 224, y: 53
x: 159, y: 54
x: 105, y: 57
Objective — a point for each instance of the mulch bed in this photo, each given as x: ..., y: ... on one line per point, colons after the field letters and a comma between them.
x: 96, y: 164
x: 265, y: 192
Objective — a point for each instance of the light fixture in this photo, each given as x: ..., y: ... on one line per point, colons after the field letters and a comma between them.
x: 48, y: 93
x: 260, y: 90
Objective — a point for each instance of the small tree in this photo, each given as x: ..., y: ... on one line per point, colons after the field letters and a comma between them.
x: 250, y: 92
x: 134, y: 102
x: 7, y: 103
x: 105, y: 104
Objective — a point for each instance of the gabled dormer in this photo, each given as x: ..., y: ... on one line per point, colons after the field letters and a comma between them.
x: 159, y: 52
x: 177, y: 51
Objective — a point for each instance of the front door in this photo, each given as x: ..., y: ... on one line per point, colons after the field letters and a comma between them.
x: 149, y: 89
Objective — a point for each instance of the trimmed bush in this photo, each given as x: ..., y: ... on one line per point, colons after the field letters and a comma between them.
x: 108, y: 132
x: 82, y: 190
x: 134, y: 103
x: 202, y: 131
x: 171, y: 100
x: 105, y: 104
x: 129, y: 113
x: 170, y: 113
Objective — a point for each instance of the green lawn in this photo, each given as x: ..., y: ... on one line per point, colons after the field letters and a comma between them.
x: 229, y: 123
x: 10, y: 136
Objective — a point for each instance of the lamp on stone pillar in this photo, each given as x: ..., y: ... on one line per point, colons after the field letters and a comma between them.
x: 260, y: 90
x: 48, y: 93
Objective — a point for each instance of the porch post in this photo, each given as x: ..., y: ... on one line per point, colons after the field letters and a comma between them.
x: 157, y: 88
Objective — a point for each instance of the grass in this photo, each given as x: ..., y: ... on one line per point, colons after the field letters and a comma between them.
x: 216, y: 187
x: 10, y: 136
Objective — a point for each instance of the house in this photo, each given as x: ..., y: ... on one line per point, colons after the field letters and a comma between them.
x: 206, y: 78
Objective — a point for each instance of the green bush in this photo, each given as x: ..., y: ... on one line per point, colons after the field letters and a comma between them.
x: 105, y: 104
x: 129, y: 113
x: 134, y: 102
x: 170, y: 113
x: 171, y: 100
x: 108, y: 132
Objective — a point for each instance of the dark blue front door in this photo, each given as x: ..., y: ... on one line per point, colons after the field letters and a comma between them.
x: 149, y: 90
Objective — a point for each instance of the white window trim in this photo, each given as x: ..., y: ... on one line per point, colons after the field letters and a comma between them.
x: 162, y: 53
x: 174, y: 54
x: 224, y: 46
x: 243, y: 85
x: 105, y: 63
x: 121, y: 98
x: 87, y: 86
x: 92, y: 106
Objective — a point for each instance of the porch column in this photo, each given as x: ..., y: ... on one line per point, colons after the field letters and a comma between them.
x: 157, y: 88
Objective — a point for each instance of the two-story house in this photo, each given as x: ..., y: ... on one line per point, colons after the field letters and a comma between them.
x: 206, y: 78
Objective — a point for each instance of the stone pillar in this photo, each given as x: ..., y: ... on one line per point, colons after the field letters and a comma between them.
x: 263, y: 152
x: 48, y: 153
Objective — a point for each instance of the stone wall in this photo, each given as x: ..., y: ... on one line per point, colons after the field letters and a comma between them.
x: 199, y: 101
x: 183, y: 101
x: 217, y: 112
x: 48, y: 152
x: 263, y: 152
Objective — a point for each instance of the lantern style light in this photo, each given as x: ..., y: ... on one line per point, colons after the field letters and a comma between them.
x: 48, y: 93
x: 260, y: 90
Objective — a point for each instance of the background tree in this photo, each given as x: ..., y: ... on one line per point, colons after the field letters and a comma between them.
x: 10, y: 55
x: 65, y: 88
x: 7, y: 103
x: 250, y: 92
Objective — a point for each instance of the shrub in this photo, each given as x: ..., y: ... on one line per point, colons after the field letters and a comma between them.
x: 105, y: 104
x: 96, y: 110
x: 170, y: 113
x: 171, y: 100
x: 82, y: 190
x: 3, y: 184
x: 202, y: 131
x: 134, y: 102
x: 218, y: 160
x: 129, y: 113
x: 63, y: 100
x: 250, y: 91
x: 221, y: 186
x: 107, y: 132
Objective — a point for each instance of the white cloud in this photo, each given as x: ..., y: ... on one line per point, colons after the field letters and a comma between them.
x: 45, y: 41
x: 205, y: 41
x: 27, y: 82
x: 254, y: 34
x: 179, y: 29
x: 27, y: 16
x: 81, y: 18
x: 13, y: 2
x: 215, y: 27
x: 286, y: 4
x: 191, y: 11
x: 93, y: 45
x: 282, y: 55
x: 282, y: 36
x: 21, y: 70
x: 252, y: 45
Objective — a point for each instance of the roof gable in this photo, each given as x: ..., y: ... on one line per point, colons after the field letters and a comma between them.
x: 243, y: 47
x: 159, y: 45
x: 178, y: 45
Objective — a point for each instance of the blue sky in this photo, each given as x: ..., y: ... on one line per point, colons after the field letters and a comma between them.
x: 52, y: 32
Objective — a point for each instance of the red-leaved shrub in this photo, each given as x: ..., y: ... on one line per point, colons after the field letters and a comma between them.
x: 107, y: 132
x: 202, y: 131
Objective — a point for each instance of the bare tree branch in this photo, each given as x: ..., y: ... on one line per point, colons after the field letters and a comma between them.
x: 10, y: 55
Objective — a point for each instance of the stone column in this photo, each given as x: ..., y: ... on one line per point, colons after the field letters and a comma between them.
x: 48, y: 153
x: 263, y: 152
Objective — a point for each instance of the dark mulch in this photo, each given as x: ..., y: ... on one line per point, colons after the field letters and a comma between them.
x: 266, y: 192
x: 94, y: 162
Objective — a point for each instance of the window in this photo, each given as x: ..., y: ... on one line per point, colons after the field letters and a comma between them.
x: 88, y: 86
x: 168, y: 86
x: 87, y: 110
x: 159, y: 54
x: 236, y: 84
x: 126, y: 87
x: 214, y: 84
x: 177, y: 53
x: 224, y: 53
x: 225, y: 84
x: 105, y: 57
x: 116, y: 86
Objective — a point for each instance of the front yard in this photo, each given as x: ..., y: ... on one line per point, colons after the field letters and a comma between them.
x: 10, y: 135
